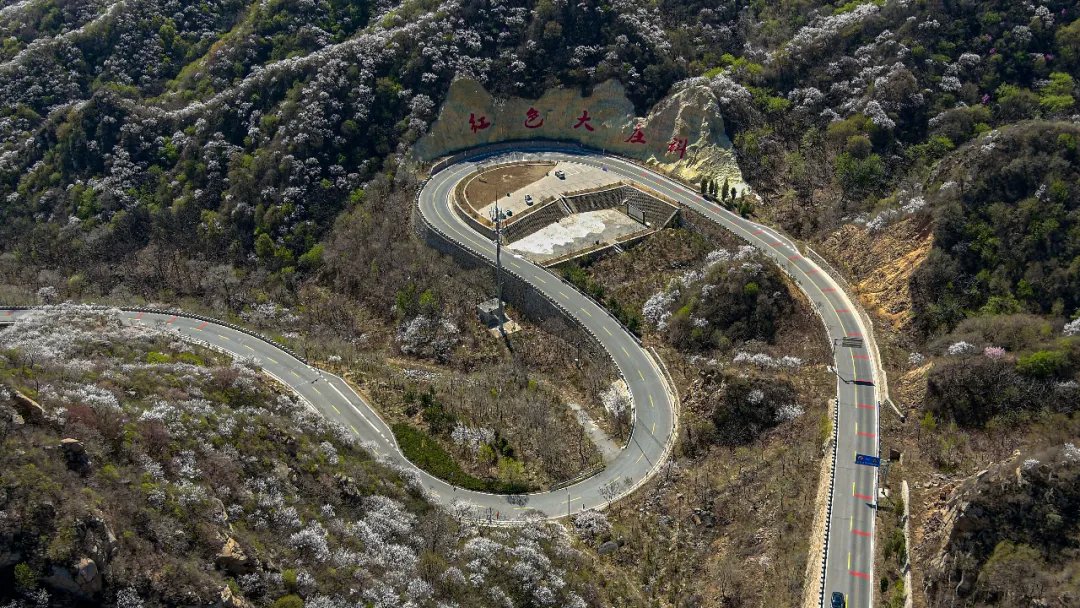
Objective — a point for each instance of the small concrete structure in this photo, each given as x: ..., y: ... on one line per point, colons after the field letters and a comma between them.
x: 488, y: 312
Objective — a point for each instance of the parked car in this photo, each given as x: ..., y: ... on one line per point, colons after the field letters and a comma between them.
x: 838, y: 600
x: 509, y: 212
x: 560, y: 174
x: 528, y: 200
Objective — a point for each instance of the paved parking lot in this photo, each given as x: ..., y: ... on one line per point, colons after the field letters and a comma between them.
x: 578, y: 177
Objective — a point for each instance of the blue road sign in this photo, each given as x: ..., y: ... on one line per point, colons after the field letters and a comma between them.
x: 872, y: 461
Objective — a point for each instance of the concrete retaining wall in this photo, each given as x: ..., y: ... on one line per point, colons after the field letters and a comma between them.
x: 533, y: 221
x: 526, y: 300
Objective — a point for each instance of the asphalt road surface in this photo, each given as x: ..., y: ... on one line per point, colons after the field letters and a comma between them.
x: 849, y: 562
x: 849, y: 550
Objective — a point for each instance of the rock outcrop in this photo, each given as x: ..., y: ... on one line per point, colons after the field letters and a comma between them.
x: 75, y: 454
x: 83, y: 580
x: 229, y: 599
x: 27, y: 408
x: 233, y: 560
x: 975, y: 526
x: 688, y: 119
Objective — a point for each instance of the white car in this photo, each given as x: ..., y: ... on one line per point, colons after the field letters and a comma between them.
x: 560, y: 174
x: 528, y: 199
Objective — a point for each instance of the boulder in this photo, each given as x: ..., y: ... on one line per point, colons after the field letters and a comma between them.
x: 233, y: 560
x: 62, y: 580
x: 82, y: 581
x: 29, y: 409
x: 97, y: 539
x: 88, y: 577
x: 608, y: 547
x: 75, y: 453
x: 228, y: 599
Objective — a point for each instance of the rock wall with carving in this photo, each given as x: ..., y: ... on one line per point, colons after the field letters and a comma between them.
x: 683, y: 134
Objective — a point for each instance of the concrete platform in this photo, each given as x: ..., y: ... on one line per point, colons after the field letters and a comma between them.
x: 578, y: 177
x: 576, y: 233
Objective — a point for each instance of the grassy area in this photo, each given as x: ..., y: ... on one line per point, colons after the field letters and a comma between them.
x: 423, y: 451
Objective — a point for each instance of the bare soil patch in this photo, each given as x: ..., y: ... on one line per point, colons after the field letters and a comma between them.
x: 482, y: 189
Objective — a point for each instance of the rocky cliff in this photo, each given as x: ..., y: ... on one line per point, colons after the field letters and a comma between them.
x: 1007, y: 536
x: 683, y: 133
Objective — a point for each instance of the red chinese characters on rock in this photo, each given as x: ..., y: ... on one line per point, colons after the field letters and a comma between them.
x: 677, y: 145
x: 478, y: 124
x: 533, y: 119
x: 638, y: 137
x: 583, y: 121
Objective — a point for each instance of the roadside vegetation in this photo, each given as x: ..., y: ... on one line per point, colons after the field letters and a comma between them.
x: 139, y: 470
x: 748, y: 362
x: 250, y: 160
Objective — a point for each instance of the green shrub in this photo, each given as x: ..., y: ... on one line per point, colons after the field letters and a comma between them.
x: 154, y: 357
x: 423, y: 451
x: 289, y: 601
x: 288, y: 576
x: 25, y: 577
x: 1044, y: 364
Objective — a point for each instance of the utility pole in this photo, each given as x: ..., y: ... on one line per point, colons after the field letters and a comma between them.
x: 497, y: 218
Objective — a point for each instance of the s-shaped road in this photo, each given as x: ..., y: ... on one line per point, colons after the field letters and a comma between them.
x: 849, y: 550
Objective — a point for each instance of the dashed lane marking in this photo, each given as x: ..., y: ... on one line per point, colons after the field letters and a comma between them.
x: 335, y: 409
x: 625, y: 352
x: 641, y: 375
x: 586, y: 312
x: 563, y: 294
x: 651, y: 404
x: 607, y: 330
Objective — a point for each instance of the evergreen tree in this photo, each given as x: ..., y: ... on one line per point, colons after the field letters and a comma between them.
x: 725, y: 190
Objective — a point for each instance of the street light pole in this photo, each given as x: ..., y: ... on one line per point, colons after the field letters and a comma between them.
x: 498, y: 262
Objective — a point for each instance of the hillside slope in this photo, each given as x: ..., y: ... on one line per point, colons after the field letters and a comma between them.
x: 139, y: 470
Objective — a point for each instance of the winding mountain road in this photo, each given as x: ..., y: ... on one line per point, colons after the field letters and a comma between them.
x: 849, y: 544
x: 849, y: 547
